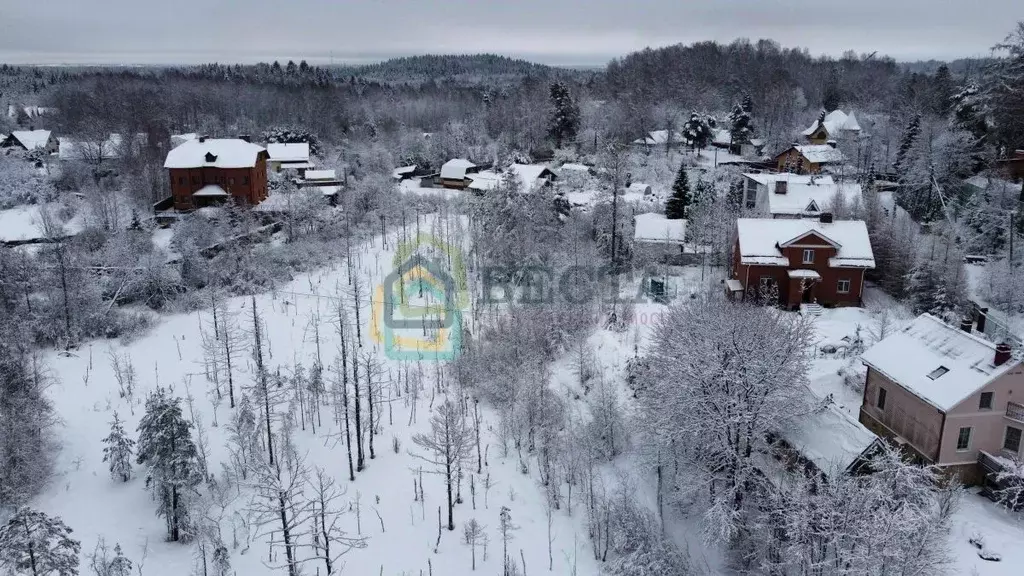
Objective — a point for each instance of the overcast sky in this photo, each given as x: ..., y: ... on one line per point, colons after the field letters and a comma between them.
x: 555, y: 31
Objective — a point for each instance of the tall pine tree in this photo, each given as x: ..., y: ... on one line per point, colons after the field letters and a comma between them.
x: 676, y: 205
x: 118, y: 450
x: 565, y: 115
x: 165, y: 445
x: 910, y: 136
x: 33, y: 543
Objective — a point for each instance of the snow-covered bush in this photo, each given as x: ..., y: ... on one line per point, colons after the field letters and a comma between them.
x: 21, y: 183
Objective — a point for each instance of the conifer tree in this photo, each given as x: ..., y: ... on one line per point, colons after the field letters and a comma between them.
x: 565, y: 115
x: 33, y: 543
x: 118, y: 450
x: 677, y: 204
x: 740, y: 127
x: 165, y: 445
x: 120, y: 565
x: 910, y: 136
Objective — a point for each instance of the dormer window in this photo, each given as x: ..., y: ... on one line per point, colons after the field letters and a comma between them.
x: 808, y: 256
x: 211, y: 157
x: 812, y: 207
x: 938, y: 372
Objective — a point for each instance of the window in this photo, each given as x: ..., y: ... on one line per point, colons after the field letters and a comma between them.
x: 231, y: 181
x: 245, y: 180
x: 986, y: 401
x: 808, y: 256
x: 181, y: 180
x: 844, y: 286
x: 963, y: 441
x: 1011, y: 442
x: 881, y: 399
x: 934, y: 374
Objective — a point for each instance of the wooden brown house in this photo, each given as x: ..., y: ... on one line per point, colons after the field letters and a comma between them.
x: 803, y: 261
x: 808, y: 159
x: 206, y: 171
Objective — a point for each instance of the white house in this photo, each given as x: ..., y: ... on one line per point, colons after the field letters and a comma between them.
x: 31, y: 140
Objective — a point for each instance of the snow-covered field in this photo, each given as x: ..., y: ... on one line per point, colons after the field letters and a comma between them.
x: 401, y: 533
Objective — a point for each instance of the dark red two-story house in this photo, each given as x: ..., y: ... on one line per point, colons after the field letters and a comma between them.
x: 208, y: 171
x: 818, y: 261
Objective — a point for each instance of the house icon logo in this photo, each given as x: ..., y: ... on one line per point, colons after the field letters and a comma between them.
x: 417, y: 309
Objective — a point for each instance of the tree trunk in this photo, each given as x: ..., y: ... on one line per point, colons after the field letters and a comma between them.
x: 360, y: 459
x: 286, y: 535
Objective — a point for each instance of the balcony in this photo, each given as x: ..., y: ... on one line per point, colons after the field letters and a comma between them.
x: 1015, y: 412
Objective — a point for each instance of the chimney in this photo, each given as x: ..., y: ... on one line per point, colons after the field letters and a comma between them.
x: 245, y: 137
x: 966, y: 324
x: 781, y: 186
x: 825, y: 218
x: 832, y: 143
x: 202, y: 139
x: 1002, y: 354
x: 982, y: 316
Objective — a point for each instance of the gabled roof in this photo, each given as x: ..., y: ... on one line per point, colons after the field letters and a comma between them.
x: 32, y: 139
x: 836, y: 122
x: 761, y: 238
x: 911, y: 356
x: 288, y: 152
x: 531, y: 174
x: 402, y: 171
x: 217, y: 153
x: 210, y: 190
x: 656, y: 228
x: 456, y: 169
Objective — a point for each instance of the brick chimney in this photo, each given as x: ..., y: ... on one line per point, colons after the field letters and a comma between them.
x: 1002, y: 354
x: 825, y: 218
x: 966, y: 325
x: 781, y: 186
x: 982, y: 317
x: 202, y: 139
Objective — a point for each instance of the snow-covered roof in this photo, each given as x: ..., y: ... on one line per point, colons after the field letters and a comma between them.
x: 456, y: 169
x: 808, y: 196
x: 484, y: 180
x: 531, y: 175
x: 32, y: 139
x: 288, y: 152
x: 210, y: 190
x: 217, y: 153
x: 656, y: 228
x: 639, y: 188
x: 320, y: 175
x: 659, y: 137
x: 836, y: 122
x: 575, y: 167
x: 913, y: 356
x: 179, y: 139
x: 402, y: 171
x: 801, y: 273
x: 25, y: 223
x: 761, y: 238
x: 829, y: 437
x: 820, y: 153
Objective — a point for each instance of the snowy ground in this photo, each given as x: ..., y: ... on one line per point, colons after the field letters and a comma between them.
x: 26, y: 222
x: 401, y: 541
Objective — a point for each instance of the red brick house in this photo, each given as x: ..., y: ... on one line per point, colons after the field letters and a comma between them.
x: 208, y: 171
x: 806, y: 261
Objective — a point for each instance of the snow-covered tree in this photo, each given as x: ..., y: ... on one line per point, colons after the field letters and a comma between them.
x: 712, y: 403
x: 330, y: 541
x: 938, y: 285
x: 1004, y: 81
x: 697, y: 131
x: 118, y: 450
x: 741, y: 129
x: 165, y: 446
x: 35, y: 544
x: 676, y: 205
x: 565, y: 115
x: 447, y: 447
x: 907, y: 141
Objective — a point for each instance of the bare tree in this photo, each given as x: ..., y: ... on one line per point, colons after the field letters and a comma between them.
x: 474, y: 535
x: 330, y: 542
x: 278, y: 504
x: 448, y: 446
